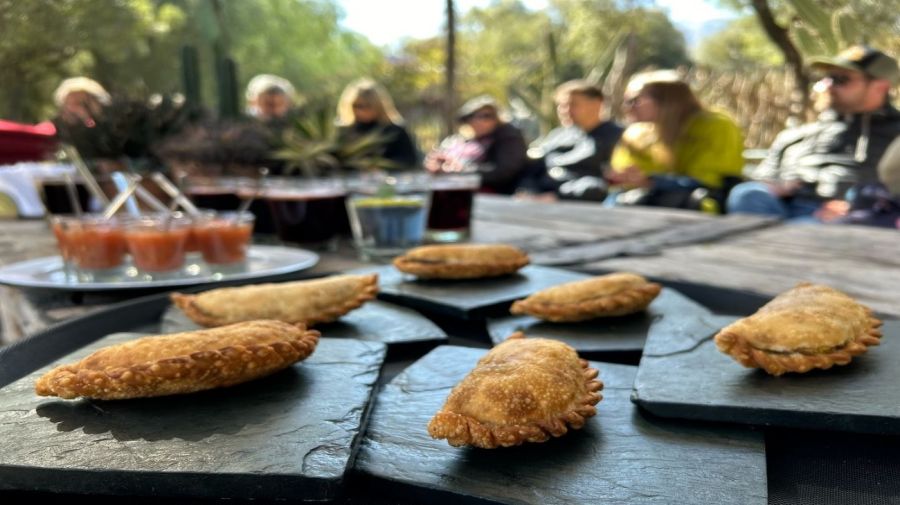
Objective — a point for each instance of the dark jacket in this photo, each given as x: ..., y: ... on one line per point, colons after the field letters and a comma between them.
x: 568, y: 153
x: 498, y: 156
x: 399, y: 146
x: 832, y: 154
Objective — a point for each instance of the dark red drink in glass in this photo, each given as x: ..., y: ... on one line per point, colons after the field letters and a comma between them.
x: 451, y: 207
x: 308, y: 211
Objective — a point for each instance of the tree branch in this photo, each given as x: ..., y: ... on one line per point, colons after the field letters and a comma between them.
x: 779, y: 35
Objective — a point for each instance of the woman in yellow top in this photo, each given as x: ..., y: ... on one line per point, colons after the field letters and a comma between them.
x: 675, y: 146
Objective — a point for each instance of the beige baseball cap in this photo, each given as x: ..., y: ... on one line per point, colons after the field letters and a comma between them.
x: 865, y: 59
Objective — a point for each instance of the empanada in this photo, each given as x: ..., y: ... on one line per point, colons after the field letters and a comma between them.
x: 309, y: 302
x: 607, y: 295
x: 461, y: 261
x: 182, y: 362
x: 523, y: 390
x: 809, y: 326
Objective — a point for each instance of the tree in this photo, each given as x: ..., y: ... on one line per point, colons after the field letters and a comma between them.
x: 134, y: 46
x: 740, y: 45
x: 805, y: 28
x: 45, y: 41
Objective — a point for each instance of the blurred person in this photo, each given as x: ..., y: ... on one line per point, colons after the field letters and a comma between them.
x: 486, y: 144
x: 569, y: 162
x: 271, y: 99
x: 365, y: 108
x: 676, y: 153
x: 871, y: 204
x: 79, y: 100
x: 809, y: 169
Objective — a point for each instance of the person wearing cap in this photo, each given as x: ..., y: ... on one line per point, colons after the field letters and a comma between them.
x: 486, y: 144
x: 79, y: 100
x: 366, y: 108
x: 809, y: 169
x: 270, y: 99
x: 570, y: 160
x: 676, y: 152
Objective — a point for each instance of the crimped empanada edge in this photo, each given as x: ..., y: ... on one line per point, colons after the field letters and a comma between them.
x: 460, y: 429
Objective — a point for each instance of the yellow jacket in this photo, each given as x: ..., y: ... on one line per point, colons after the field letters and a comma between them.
x: 710, y: 148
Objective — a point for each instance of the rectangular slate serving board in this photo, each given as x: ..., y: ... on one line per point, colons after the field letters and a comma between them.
x: 620, y: 456
x: 290, y: 435
x: 687, y: 377
x: 469, y: 298
x: 618, y: 339
x: 398, y: 327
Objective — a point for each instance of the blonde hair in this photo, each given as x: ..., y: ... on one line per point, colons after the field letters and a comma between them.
x: 676, y: 104
x: 85, y: 84
x: 374, y: 95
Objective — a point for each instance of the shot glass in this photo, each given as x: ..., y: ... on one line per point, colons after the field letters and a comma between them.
x: 158, y: 244
x: 98, y: 248
x: 223, y: 237
x: 62, y: 227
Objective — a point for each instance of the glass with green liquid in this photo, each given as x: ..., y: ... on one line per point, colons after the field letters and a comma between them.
x: 388, y: 213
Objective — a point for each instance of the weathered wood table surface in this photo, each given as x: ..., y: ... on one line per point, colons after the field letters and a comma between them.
x: 746, y: 253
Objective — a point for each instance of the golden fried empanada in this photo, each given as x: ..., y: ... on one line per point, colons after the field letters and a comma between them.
x: 309, y: 302
x: 523, y: 390
x: 461, y: 261
x: 607, y: 295
x: 179, y: 363
x: 809, y: 326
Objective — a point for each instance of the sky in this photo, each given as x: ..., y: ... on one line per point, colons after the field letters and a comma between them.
x: 387, y: 22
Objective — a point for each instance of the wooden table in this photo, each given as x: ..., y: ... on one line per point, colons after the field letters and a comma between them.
x: 746, y: 253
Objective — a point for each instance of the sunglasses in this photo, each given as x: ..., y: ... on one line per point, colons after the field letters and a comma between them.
x: 631, y: 102
x: 482, y: 115
x: 840, y: 79
x: 361, y: 106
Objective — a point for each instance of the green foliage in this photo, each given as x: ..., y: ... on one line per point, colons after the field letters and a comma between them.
x: 816, y: 32
x: 825, y: 26
x: 593, y: 25
x: 315, y: 147
x: 134, y: 47
x: 741, y: 45
x: 508, y: 51
x: 44, y: 41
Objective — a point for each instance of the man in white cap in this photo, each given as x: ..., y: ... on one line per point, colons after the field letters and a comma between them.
x: 270, y: 98
x: 810, y: 168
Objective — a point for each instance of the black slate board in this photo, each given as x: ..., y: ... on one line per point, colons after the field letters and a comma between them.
x: 861, y: 397
x: 376, y: 321
x: 611, y: 338
x: 466, y: 299
x: 619, y: 457
x: 290, y: 435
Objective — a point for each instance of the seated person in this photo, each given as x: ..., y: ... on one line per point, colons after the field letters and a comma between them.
x: 486, y: 145
x: 811, y: 165
x: 873, y: 204
x: 366, y: 108
x: 676, y: 152
x: 79, y: 101
x: 271, y: 100
x: 570, y: 160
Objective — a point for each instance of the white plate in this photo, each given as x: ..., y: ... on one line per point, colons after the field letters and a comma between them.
x: 262, y: 261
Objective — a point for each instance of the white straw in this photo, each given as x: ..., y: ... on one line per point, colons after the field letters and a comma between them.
x: 86, y: 174
x: 120, y: 198
x: 171, y: 190
x: 72, y: 192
